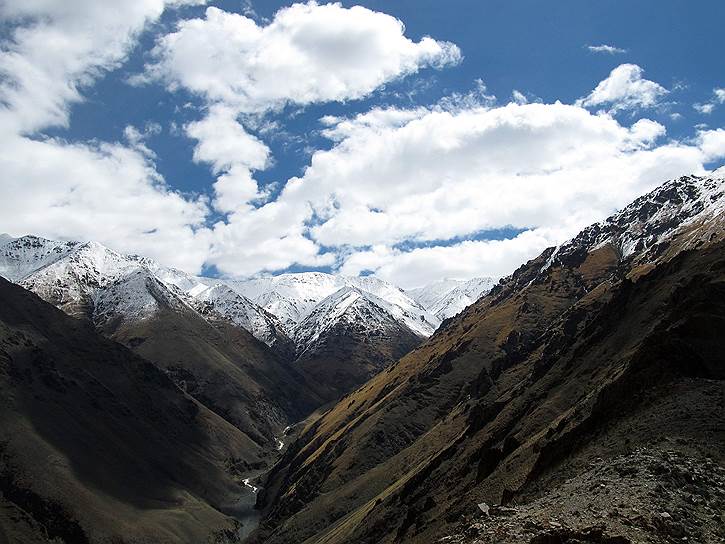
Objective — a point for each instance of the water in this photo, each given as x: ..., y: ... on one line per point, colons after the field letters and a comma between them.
x: 243, y: 510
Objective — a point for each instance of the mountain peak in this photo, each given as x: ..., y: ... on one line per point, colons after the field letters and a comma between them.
x: 641, y: 229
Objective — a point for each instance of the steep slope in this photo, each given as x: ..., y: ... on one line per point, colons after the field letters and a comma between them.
x: 608, y: 343
x: 348, y: 338
x: 221, y: 365
x: 230, y: 305
x: 98, y: 445
x: 20, y: 257
x: 215, y: 298
x: 71, y: 281
x: 184, y: 324
x: 198, y: 340
x: 344, y: 328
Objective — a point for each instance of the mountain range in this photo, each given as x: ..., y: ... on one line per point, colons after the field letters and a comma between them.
x: 297, y: 315
x: 579, y: 399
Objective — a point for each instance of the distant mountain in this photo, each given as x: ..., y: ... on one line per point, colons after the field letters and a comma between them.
x: 98, y: 445
x: 293, y: 297
x: 580, y: 400
x: 349, y: 337
x: 446, y: 298
x: 91, y: 281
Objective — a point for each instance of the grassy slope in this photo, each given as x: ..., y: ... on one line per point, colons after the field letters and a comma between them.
x: 524, y: 386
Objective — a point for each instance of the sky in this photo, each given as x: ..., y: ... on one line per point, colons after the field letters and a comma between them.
x: 415, y: 139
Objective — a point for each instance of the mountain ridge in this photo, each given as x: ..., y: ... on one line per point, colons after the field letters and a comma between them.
x: 540, y: 377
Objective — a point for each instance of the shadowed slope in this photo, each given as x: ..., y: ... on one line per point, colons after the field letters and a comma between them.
x: 97, y: 443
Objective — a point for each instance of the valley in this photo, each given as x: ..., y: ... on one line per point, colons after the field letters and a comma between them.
x: 326, y: 409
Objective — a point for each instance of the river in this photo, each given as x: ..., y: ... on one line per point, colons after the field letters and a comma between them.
x: 244, y: 509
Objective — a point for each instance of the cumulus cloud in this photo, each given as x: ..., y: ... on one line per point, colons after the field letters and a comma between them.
x: 712, y: 144
x: 466, y: 259
x: 232, y: 152
x: 308, y: 53
x: 112, y: 192
x: 397, y: 179
x: 625, y: 89
x: 604, y: 48
x: 58, y: 48
x: 106, y: 191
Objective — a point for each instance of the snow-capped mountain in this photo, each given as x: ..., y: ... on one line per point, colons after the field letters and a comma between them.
x: 93, y: 281
x: 353, y: 307
x: 350, y: 336
x: 67, y: 274
x: 448, y: 297
x: 293, y: 297
x: 20, y: 257
x: 135, y: 296
x: 224, y: 301
x: 644, y: 229
x: 88, y: 279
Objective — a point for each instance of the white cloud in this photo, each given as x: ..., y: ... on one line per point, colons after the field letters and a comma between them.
x: 462, y: 260
x: 309, y: 53
x: 57, y: 48
x: 705, y: 109
x: 608, y: 49
x: 712, y: 143
x: 625, y: 89
x: 430, y: 175
x: 105, y: 191
x: 232, y: 152
x: 718, y: 97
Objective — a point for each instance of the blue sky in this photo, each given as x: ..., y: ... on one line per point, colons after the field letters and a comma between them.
x: 480, y: 214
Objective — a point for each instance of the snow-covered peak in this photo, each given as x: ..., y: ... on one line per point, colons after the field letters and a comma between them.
x: 429, y: 294
x: 22, y: 256
x: 223, y: 301
x: 353, y: 308
x: 134, y: 296
x: 448, y: 297
x: 293, y: 297
x: 638, y: 230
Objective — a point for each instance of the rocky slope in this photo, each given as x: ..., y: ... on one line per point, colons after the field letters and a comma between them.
x: 597, y: 354
x: 219, y: 364
x: 98, y: 445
